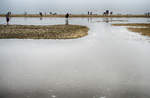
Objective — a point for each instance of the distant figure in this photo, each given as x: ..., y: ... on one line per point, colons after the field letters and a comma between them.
x: 111, y: 13
x: 7, y: 18
x: 9, y: 13
x: 148, y: 13
x: 88, y: 13
x: 50, y: 13
x: 104, y: 13
x: 55, y: 14
x: 67, y: 16
x: 91, y: 13
x: 25, y: 13
x: 107, y: 12
x: 41, y: 14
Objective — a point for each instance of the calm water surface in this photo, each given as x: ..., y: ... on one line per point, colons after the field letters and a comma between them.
x: 110, y: 62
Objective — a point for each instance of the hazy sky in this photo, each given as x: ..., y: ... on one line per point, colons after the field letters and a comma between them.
x: 76, y: 6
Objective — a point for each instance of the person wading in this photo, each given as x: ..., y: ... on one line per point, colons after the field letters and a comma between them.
x: 67, y: 16
x: 7, y: 18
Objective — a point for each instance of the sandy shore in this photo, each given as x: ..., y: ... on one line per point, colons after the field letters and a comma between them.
x: 36, y: 15
x: 133, y: 24
x: 142, y: 28
x: 43, y: 32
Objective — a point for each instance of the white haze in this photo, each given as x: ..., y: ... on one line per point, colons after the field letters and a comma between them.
x: 75, y: 6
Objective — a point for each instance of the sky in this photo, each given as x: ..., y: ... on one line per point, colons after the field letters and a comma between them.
x: 75, y: 6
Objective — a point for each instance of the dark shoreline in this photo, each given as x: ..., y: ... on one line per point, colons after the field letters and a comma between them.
x: 74, y: 16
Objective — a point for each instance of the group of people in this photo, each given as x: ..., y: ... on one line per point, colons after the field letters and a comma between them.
x: 107, y: 12
x: 90, y: 13
x: 9, y: 13
x: 147, y: 14
x: 41, y: 14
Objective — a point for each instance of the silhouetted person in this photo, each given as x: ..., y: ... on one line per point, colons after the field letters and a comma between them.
x: 91, y: 13
x: 41, y: 14
x: 55, y: 14
x: 88, y: 12
x: 67, y: 16
x: 9, y: 13
x: 25, y: 13
x: 7, y: 18
x: 107, y: 12
x: 104, y: 13
x: 111, y: 13
x: 50, y: 13
x: 148, y: 13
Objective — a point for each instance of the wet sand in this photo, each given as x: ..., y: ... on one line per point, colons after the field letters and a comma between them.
x: 133, y: 24
x: 142, y: 28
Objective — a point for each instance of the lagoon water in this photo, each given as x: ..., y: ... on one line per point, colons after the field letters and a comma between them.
x: 110, y: 62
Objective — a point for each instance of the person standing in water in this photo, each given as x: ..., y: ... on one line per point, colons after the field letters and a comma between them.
x: 41, y: 14
x: 67, y: 16
x: 7, y: 18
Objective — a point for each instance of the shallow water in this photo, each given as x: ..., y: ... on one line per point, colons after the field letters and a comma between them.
x: 110, y: 62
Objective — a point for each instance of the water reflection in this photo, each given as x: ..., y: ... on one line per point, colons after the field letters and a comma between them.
x: 106, y: 20
x: 67, y: 21
x: 41, y: 18
x: 108, y: 63
x: 148, y: 19
x: 89, y: 20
